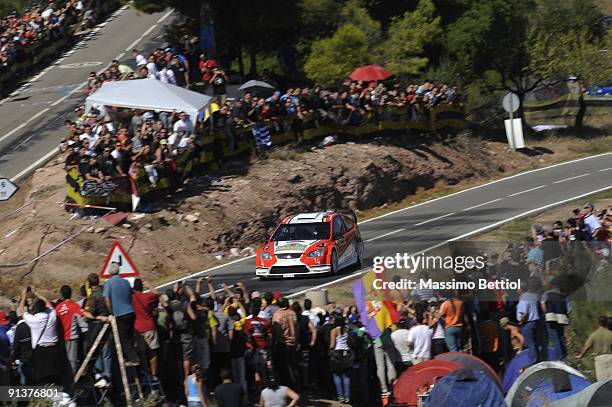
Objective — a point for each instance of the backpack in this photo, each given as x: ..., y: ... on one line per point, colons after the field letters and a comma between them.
x: 22, y: 343
x: 179, y: 318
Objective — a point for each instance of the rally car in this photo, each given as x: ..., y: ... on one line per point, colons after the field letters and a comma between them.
x: 311, y: 244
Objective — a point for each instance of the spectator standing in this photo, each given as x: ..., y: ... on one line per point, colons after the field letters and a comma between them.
x: 275, y: 395
x: 341, y: 358
x: 182, y: 319
x: 400, y: 341
x: 22, y: 352
x: 46, y: 355
x: 193, y: 387
x: 145, y: 305
x: 68, y: 313
x: 438, y: 343
x: 419, y: 337
x: 528, y: 317
x: 118, y: 299
x: 229, y: 394
x: 285, y: 333
x: 258, y: 330
x: 97, y: 315
x: 307, y: 336
x: 218, y: 81
x: 452, y: 312
x: 204, y: 328
x: 221, y: 358
x: 600, y: 344
x: 556, y: 315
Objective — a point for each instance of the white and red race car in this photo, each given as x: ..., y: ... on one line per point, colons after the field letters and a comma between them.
x: 311, y: 244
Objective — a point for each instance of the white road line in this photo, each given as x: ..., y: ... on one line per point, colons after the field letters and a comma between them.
x: 485, y: 185
x: 35, y: 165
x: 385, y: 235
x: 162, y: 18
x: 527, y: 190
x: 137, y: 40
x: 463, y: 236
x: 118, y: 57
x: 37, y: 115
x: 16, y: 129
x: 434, y: 219
x: 571, y: 178
x: 437, y: 199
x: 482, y: 204
x: 605, y: 169
x: 206, y: 271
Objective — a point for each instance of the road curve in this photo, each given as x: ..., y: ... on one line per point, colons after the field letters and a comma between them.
x: 32, y: 117
x: 456, y: 216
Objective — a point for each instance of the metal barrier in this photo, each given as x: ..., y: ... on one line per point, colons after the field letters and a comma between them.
x: 118, y: 191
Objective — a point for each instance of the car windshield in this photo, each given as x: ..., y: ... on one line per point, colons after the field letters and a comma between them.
x: 301, y: 231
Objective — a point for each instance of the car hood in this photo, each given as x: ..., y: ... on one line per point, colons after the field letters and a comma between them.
x: 292, y: 246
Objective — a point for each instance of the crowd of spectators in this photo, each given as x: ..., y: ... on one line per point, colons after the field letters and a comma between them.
x: 134, y: 141
x: 41, y: 24
x: 196, y: 342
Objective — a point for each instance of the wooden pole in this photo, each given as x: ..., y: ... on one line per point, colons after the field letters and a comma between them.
x: 90, y: 353
x: 126, y: 385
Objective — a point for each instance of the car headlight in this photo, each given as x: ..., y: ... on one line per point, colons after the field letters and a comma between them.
x: 266, y: 256
x: 317, y: 253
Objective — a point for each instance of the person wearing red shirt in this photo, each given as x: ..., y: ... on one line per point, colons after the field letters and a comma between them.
x: 258, y: 330
x: 145, y: 305
x: 68, y: 311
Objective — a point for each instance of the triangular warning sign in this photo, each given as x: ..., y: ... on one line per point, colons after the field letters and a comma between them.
x: 118, y: 256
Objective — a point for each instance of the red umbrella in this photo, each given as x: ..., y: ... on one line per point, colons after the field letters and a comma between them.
x: 370, y: 73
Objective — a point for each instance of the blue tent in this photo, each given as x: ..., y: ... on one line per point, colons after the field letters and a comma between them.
x: 465, y: 388
x: 542, y: 384
x: 518, y: 363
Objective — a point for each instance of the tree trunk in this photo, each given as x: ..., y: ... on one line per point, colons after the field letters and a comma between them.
x: 582, y: 107
x: 253, y: 60
x: 520, y: 113
x: 206, y: 19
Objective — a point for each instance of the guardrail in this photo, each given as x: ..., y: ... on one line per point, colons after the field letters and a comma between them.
x: 118, y: 191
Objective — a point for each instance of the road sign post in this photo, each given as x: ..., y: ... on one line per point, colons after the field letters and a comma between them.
x: 7, y: 189
x: 511, y: 103
x: 118, y: 257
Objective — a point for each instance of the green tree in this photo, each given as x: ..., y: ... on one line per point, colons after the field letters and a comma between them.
x: 319, y: 18
x: 354, y: 13
x: 402, y: 51
x: 573, y: 53
x: 332, y: 59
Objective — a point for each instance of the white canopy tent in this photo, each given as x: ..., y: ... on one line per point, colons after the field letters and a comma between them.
x: 149, y: 94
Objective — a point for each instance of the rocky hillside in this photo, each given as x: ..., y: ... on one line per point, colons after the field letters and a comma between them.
x: 213, y: 219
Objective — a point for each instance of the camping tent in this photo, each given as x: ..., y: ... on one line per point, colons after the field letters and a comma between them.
x: 544, y: 383
x: 149, y: 94
x: 466, y: 388
x: 517, y: 364
x: 420, y: 377
x: 598, y: 394
x: 471, y: 362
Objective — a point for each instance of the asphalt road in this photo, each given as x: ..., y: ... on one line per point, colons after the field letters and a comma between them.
x: 32, y: 118
x: 456, y: 216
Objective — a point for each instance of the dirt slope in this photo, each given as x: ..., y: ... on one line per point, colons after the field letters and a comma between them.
x: 214, y: 219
